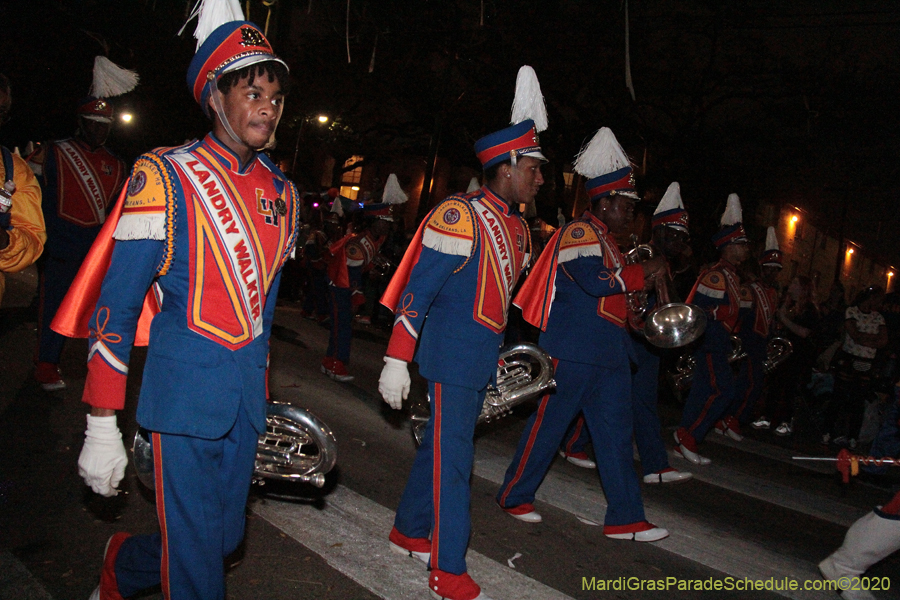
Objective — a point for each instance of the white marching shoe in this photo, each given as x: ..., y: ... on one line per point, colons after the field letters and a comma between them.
x: 669, y: 475
x: 868, y: 540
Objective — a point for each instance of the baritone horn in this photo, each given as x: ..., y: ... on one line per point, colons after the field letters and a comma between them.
x: 525, y: 371
x: 670, y: 324
x: 778, y: 349
x: 296, y: 446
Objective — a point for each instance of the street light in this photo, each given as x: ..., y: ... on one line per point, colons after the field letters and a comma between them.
x: 322, y: 119
x: 794, y: 219
x: 126, y: 117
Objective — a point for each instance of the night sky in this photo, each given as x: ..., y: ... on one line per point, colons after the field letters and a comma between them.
x: 784, y: 102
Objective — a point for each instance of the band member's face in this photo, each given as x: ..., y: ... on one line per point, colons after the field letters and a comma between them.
x: 94, y: 133
x: 736, y: 253
x: 769, y: 274
x: 617, y: 212
x: 674, y: 241
x: 526, y: 179
x: 253, y: 109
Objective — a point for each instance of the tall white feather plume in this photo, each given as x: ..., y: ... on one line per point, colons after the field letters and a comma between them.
x: 393, y: 193
x: 732, y: 212
x: 602, y: 155
x: 771, y: 239
x: 529, y: 102
x: 671, y: 199
x: 473, y: 185
x: 212, y: 14
x: 337, y: 207
x: 111, y: 80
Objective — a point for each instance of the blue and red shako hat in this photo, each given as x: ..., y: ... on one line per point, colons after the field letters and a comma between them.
x: 529, y: 117
x: 517, y: 140
x: 670, y: 212
x: 732, y: 231
x: 95, y: 109
x: 231, y: 46
x: 606, y: 166
x: 772, y: 255
x: 620, y: 181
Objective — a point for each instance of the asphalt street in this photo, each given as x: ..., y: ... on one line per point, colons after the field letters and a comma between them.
x: 753, y: 515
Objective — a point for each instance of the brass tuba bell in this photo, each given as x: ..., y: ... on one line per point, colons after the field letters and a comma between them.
x: 670, y: 324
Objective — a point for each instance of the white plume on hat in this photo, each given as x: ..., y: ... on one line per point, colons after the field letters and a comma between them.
x: 732, y: 214
x: 393, y: 193
x: 111, y: 80
x: 529, y: 102
x: 473, y: 185
x: 671, y: 199
x: 212, y: 14
x: 602, y: 155
x: 337, y: 207
x: 771, y: 240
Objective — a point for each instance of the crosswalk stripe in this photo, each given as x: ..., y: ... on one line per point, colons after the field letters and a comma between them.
x: 351, y: 535
x: 690, y: 536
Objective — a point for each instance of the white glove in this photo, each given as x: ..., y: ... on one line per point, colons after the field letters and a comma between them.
x: 103, y: 459
x: 394, y: 382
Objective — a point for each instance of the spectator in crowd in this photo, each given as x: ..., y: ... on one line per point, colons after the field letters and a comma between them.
x: 866, y: 332
x: 22, y: 233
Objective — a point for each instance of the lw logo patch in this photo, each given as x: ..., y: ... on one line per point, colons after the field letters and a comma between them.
x: 271, y: 209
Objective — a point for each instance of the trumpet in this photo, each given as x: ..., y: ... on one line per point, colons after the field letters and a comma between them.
x: 670, y: 324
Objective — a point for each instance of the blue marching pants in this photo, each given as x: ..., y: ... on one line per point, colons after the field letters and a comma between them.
x: 201, y: 496
x: 436, y: 499
x: 56, y: 278
x: 749, y: 383
x: 604, y: 396
x: 712, y: 392
x: 647, y: 426
x: 341, y: 324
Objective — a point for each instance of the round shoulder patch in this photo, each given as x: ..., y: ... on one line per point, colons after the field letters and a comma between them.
x: 577, y: 233
x: 138, y: 181
x: 714, y: 278
x: 451, y: 216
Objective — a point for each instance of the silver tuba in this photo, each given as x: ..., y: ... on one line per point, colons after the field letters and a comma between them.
x: 777, y: 351
x: 524, y: 371
x: 296, y: 446
x: 670, y: 324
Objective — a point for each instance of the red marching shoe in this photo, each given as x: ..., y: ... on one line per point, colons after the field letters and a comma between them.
x: 447, y: 586
x: 108, y: 588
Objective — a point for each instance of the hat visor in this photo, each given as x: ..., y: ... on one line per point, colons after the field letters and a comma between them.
x: 246, y: 61
x: 535, y: 154
x: 97, y: 118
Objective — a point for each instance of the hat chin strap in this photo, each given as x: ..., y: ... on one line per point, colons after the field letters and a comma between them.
x: 220, y: 111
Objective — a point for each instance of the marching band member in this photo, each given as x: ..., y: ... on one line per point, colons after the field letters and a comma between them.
x: 22, y: 233
x: 717, y: 291
x: 873, y: 537
x: 351, y: 256
x: 759, y: 301
x: 209, y: 226
x: 451, y: 295
x: 583, y: 278
x: 80, y: 179
x: 669, y: 239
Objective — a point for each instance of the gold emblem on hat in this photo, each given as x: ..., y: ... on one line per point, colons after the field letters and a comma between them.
x: 100, y: 105
x: 252, y: 37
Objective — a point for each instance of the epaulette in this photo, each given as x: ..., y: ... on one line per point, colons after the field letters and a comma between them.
x: 578, y: 239
x: 451, y: 228
x: 746, y: 295
x: 148, y: 212
x: 712, y: 284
